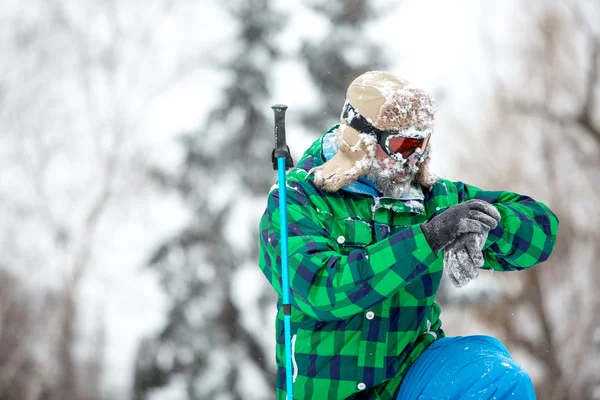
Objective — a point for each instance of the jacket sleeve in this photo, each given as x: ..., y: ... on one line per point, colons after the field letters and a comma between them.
x: 325, y: 283
x: 526, y: 234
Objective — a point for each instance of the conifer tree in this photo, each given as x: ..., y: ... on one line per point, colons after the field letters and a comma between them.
x: 204, y: 344
x: 341, y: 55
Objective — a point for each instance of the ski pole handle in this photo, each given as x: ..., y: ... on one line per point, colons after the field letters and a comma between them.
x: 281, y: 148
x: 280, y: 145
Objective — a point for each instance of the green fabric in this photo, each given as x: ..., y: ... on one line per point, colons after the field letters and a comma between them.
x: 364, y: 279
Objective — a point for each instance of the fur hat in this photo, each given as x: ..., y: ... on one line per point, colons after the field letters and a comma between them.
x: 388, y: 103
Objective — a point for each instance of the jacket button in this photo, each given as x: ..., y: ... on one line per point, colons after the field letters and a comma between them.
x: 361, y: 386
x: 341, y: 239
x: 383, y: 230
x: 370, y: 315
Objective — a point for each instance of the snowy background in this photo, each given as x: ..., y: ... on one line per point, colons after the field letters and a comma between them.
x: 135, y: 141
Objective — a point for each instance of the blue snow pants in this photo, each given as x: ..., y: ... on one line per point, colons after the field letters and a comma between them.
x: 466, y: 367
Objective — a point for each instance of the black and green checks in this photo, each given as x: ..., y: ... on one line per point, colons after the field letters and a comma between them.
x: 364, y: 279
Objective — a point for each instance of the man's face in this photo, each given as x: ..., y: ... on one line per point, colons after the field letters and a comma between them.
x: 391, y: 176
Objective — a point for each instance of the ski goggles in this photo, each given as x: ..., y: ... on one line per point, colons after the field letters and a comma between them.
x: 398, y: 145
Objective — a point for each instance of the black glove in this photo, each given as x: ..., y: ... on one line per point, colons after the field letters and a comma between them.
x: 471, y: 216
x: 463, y: 257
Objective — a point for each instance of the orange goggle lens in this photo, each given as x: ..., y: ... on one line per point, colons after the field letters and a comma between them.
x: 405, y: 146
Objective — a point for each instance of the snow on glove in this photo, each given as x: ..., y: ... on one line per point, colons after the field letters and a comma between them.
x: 471, y: 216
x: 463, y: 257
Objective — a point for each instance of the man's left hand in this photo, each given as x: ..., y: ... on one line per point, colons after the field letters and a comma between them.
x: 463, y: 257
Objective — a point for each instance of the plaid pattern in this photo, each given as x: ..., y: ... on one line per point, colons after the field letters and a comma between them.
x: 364, y: 278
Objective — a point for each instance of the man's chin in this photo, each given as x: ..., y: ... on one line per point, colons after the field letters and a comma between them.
x: 402, y: 178
x: 394, y: 186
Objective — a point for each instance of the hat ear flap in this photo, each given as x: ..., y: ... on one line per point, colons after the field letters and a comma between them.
x: 350, y: 163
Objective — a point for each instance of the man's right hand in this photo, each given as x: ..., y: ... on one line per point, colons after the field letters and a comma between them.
x: 471, y: 216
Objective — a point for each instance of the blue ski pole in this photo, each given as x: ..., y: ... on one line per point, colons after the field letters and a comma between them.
x: 282, y: 160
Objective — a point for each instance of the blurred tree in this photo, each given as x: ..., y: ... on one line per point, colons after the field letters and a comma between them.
x: 20, y: 373
x: 340, y: 55
x: 205, y: 348
x: 34, y: 81
x: 545, y: 132
x: 76, y: 81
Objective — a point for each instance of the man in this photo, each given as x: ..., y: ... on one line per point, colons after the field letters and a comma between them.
x: 371, y: 231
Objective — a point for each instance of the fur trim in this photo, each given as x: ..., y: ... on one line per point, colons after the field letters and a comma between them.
x: 406, y: 108
x: 424, y: 177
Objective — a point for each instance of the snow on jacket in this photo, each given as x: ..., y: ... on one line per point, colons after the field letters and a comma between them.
x: 364, y: 279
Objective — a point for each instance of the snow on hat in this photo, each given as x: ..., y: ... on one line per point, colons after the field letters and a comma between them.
x: 389, y: 104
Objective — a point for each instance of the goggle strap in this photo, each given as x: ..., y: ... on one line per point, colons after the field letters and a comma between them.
x: 361, y: 125
x: 358, y: 121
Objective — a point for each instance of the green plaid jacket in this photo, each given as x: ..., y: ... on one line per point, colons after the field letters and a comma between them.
x: 364, y: 279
